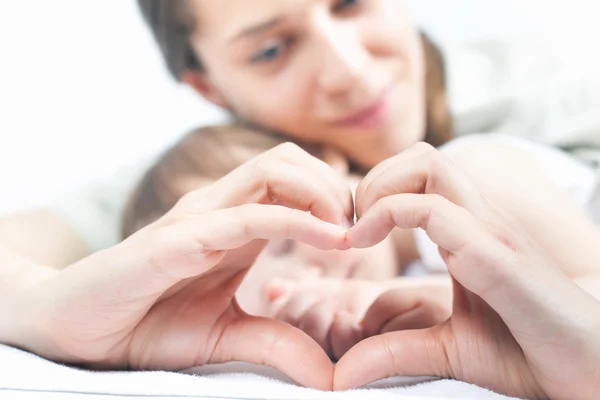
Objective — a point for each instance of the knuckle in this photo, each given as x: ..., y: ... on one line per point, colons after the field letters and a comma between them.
x: 386, y: 203
x: 263, y: 177
x: 189, y: 199
x: 437, y: 161
x: 423, y: 147
x: 287, y: 149
x: 262, y: 166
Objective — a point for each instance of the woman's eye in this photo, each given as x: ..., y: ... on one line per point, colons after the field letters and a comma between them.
x: 270, y: 53
x: 343, y: 5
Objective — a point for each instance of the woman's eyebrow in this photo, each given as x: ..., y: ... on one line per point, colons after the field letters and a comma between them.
x: 257, y: 29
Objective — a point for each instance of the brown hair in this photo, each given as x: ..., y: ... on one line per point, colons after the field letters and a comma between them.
x: 200, y: 158
x: 172, y: 28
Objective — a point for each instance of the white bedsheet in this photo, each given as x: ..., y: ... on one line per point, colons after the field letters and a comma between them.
x: 24, y: 376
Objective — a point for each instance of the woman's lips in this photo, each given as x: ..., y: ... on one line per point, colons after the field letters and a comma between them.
x: 371, y: 116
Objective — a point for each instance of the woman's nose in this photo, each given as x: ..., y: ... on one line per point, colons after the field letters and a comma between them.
x: 343, y: 58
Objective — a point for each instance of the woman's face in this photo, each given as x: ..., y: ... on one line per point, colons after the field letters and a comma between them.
x: 346, y: 73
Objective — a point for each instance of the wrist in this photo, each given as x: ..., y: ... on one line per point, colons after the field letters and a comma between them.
x: 19, y: 294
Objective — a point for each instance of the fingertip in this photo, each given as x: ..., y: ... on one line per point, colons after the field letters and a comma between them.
x: 348, y: 372
x: 354, y: 237
x: 345, y: 245
x: 276, y: 288
x: 317, y: 370
x: 365, y: 363
x: 289, y: 350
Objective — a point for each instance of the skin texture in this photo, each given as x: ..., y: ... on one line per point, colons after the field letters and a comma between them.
x: 510, y: 329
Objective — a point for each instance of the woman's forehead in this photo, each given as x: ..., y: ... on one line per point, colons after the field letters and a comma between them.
x: 233, y: 19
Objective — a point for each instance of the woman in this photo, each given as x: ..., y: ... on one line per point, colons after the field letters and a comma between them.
x: 356, y: 76
x: 343, y: 99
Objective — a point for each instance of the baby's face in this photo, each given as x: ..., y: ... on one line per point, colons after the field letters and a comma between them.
x: 298, y: 261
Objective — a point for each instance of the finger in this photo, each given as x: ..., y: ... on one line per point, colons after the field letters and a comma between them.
x: 407, y: 353
x: 289, y: 175
x: 316, y: 322
x: 476, y: 258
x: 274, y: 343
x: 345, y: 333
x: 277, y: 182
x: 161, y: 256
x: 235, y: 227
x: 287, y: 296
x: 277, y: 289
x: 295, y: 307
x: 333, y: 175
x: 447, y: 224
x: 404, y: 309
x: 406, y: 155
x: 421, y: 172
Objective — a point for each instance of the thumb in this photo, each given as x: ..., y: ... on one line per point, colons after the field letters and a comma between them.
x: 405, y: 353
x: 405, y: 308
x: 274, y: 343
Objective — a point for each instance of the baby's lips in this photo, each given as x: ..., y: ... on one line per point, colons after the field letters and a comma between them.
x: 277, y: 288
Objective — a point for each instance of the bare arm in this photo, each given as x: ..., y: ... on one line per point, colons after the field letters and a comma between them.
x: 43, y: 237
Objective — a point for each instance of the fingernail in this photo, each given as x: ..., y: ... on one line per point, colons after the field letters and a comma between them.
x: 277, y: 288
x: 346, y: 224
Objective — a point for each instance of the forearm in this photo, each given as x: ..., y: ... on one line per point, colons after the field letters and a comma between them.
x: 42, y: 237
x: 17, y: 276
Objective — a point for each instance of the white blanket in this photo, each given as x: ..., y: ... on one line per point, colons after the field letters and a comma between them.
x: 24, y: 376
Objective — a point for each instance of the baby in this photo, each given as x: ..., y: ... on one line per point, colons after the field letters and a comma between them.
x: 325, y: 293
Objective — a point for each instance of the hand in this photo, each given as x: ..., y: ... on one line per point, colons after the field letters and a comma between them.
x: 339, y: 313
x: 519, y: 326
x: 164, y: 298
x: 299, y: 261
x: 328, y: 310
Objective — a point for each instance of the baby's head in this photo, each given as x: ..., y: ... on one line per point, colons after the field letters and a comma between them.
x: 200, y: 158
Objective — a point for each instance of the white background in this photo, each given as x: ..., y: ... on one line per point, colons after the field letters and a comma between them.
x: 84, y: 91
